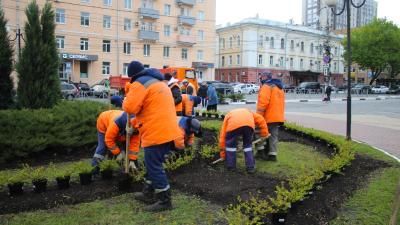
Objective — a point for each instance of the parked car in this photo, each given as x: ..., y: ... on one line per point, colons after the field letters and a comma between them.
x: 289, y: 88
x: 245, y: 88
x: 394, y: 89
x: 309, y: 87
x: 380, y: 89
x: 361, y: 89
x: 222, y: 88
x: 82, y: 86
x: 99, y: 90
x: 69, y: 91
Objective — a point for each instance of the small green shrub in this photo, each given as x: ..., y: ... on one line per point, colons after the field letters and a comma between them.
x: 83, y: 167
x: 37, y: 173
x: 208, y: 151
x: 21, y: 175
x: 61, y: 171
x: 109, y: 165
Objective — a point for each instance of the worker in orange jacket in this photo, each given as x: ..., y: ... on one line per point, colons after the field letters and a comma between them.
x: 189, y: 88
x: 176, y: 92
x: 270, y: 105
x: 151, y: 101
x: 188, y: 104
x: 240, y: 122
x: 111, y: 131
x: 189, y: 128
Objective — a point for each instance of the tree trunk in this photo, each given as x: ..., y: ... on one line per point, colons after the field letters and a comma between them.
x: 376, y: 75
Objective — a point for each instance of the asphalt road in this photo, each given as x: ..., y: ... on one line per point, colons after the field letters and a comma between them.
x: 376, y: 122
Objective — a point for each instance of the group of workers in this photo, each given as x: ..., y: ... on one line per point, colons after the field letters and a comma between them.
x: 162, y: 120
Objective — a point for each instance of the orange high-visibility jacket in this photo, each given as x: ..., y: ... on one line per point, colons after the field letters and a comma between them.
x: 112, y: 123
x: 193, y: 88
x: 187, y: 105
x: 239, y: 118
x: 151, y: 101
x: 178, y: 107
x: 271, y: 103
x: 184, y: 139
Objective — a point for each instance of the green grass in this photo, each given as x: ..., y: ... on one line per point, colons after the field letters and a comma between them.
x: 293, y: 158
x: 373, y: 204
x: 121, y: 210
x: 211, y: 124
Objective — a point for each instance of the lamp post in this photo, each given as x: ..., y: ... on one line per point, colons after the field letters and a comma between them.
x: 346, y: 5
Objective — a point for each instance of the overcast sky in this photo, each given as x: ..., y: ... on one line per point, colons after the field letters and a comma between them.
x: 284, y: 10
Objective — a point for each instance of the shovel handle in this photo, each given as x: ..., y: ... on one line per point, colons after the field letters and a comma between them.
x: 218, y: 160
x: 128, y: 137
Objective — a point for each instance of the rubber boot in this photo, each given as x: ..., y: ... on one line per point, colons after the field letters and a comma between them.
x: 164, y: 202
x: 147, y: 194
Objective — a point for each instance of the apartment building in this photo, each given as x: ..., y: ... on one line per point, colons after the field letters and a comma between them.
x: 98, y: 38
x: 292, y: 53
x: 317, y: 15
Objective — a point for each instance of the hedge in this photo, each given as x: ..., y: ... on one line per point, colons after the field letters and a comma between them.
x: 68, y: 125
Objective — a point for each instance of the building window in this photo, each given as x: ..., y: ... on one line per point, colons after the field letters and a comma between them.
x: 282, y: 43
x: 238, y: 59
x: 107, y: 22
x: 127, y: 48
x: 107, y: 2
x: 60, y: 42
x: 271, y: 60
x: 335, y: 69
x: 125, y: 69
x: 146, y: 50
x: 85, y: 17
x: 222, y: 42
x: 320, y: 50
x: 238, y: 41
x: 311, y: 64
x: 147, y: 4
x: 260, y: 41
x: 291, y: 45
x: 272, y: 42
x: 84, y: 44
x: 106, y: 46
x: 312, y: 48
x: 106, y: 68
x: 223, y: 61
x: 60, y: 16
x: 301, y: 63
x: 128, y: 4
x: 291, y: 63
x: 185, y: 12
x: 200, y: 35
x: 167, y: 10
x: 281, y: 61
x: 166, y: 51
x: 336, y: 51
x: 184, y: 54
x: 85, y: 1
x: 230, y: 42
x: 230, y: 60
x: 167, y: 30
x: 147, y: 26
x: 127, y: 25
x: 200, y: 55
x: 260, y: 59
x: 83, y: 69
x: 185, y: 31
x: 302, y: 46
x: 200, y: 1
x: 200, y: 16
x: 318, y: 66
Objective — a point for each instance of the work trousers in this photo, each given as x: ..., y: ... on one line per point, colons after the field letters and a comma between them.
x: 231, y: 143
x: 273, y: 139
x: 101, y: 148
x: 154, y: 157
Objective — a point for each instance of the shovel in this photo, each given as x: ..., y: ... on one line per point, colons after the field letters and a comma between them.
x: 254, y: 142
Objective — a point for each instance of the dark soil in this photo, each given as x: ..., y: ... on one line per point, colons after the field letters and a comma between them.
x: 209, y: 137
x: 51, y: 155
x: 324, y: 204
x: 53, y: 197
x: 219, y: 186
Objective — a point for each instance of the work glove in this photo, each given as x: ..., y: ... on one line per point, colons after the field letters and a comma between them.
x: 132, y: 131
x: 120, y: 157
x: 133, y: 165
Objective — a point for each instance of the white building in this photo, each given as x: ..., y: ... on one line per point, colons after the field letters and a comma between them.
x: 292, y: 53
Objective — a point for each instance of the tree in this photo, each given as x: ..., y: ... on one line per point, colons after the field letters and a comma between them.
x: 6, y: 65
x: 37, y: 67
x: 376, y: 46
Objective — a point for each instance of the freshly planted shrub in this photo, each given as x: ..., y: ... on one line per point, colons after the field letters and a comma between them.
x: 208, y: 151
x: 107, y: 167
x: 16, y: 181
x: 85, y: 172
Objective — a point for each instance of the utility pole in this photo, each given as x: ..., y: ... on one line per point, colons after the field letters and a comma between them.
x: 18, y: 36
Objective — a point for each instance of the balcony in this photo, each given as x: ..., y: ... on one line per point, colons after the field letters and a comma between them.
x: 186, y: 40
x: 149, y: 13
x: 149, y: 35
x: 187, y: 20
x: 186, y: 2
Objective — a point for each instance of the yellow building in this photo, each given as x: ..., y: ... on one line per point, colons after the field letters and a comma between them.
x: 98, y: 38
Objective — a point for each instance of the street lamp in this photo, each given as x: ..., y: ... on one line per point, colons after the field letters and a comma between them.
x: 346, y: 4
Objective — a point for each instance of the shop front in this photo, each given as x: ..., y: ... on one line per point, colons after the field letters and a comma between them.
x: 76, y: 67
x: 204, y: 71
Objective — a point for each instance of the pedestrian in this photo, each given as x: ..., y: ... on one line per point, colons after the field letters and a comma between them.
x: 212, y: 98
x: 240, y: 123
x: 176, y: 92
x: 189, y: 102
x: 150, y: 99
x: 328, y: 92
x: 111, y: 132
x: 203, y: 94
x: 270, y: 105
x: 189, y: 88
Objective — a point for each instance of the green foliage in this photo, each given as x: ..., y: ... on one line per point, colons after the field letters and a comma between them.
x: 377, y: 46
x: 37, y: 173
x: 208, y: 151
x: 37, y: 67
x: 109, y: 165
x: 214, y: 125
x: 66, y: 126
x: 21, y: 175
x: 6, y: 65
x: 83, y: 167
x: 236, y: 97
x: 54, y: 171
